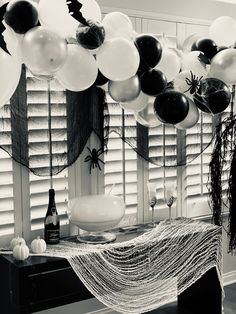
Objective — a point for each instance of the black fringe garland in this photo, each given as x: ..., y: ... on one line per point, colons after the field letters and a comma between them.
x: 224, y: 153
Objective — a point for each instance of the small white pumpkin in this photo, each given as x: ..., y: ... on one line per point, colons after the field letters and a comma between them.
x: 38, y: 245
x: 16, y: 241
x: 21, y: 251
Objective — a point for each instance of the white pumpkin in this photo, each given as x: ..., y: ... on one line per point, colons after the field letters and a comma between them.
x: 16, y: 241
x: 38, y: 245
x: 21, y: 251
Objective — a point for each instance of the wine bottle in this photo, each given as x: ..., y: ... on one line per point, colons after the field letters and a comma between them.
x: 51, y: 221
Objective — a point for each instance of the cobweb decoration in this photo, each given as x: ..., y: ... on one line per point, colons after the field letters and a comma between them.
x: 24, y: 124
x: 150, y: 270
x: 158, y: 145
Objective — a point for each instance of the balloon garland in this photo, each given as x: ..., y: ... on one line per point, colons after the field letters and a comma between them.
x: 69, y: 41
x: 89, y: 51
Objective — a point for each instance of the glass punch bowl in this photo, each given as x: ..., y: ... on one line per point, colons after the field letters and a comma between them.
x: 95, y: 214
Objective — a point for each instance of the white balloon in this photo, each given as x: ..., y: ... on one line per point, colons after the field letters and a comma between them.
x: 223, y: 31
x: 188, y: 42
x: 223, y: 66
x: 169, y: 64
x: 13, y: 41
x: 191, y: 118
x: 91, y: 10
x: 117, y: 24
x: 147, y: 117
x: 10, y: 75
x: 55, y: 15
x: 183, y: 83
x: 118, y: 59
x: 80, y: 70
x: 191, y: 62
x: 136, y: 105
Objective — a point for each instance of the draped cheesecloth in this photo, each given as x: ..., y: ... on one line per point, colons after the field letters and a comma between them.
x: 150, y: 270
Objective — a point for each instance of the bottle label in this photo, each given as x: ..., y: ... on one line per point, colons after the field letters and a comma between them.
x: 52, y: 236
x: 52, y: 219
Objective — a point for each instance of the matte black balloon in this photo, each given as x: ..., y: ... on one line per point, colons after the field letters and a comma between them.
x: 149, y: 49
x: 171, y: 107
x: 207, y: 46
x: 153, y: 82
x: 101, y: 79
x: 21, y: 16
x: 212, y: 96
x: 90, y: 36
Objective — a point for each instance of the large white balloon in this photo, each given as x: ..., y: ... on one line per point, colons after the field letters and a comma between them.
x: 169, y: 64
x: 223, y: 31
x: 12, y: 40
x: 91, y: 10
x: 80, y: 70
x: 192, y: 62
x: 187, y: 82
x: 55, y: 14
x: 188, y: 42
x: 118, y: 59
x: 147, y: 117
x: 9, y: 76
x: 137, y: 104
x: 223, y: 66
x: 117, y: 24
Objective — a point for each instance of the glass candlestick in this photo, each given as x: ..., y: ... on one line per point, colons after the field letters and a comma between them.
x: 169, y: 203
x: 153, y: 202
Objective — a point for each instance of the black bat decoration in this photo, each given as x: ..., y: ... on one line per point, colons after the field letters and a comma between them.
x: 2, y: 28
x: 74, y: 9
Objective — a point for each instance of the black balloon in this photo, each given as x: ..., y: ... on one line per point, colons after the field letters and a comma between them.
x: 153, y: 82
x: 90, y: 36
x: 212, y: 96
x: 149, y: 49
x: 21, y: 16
x: 171, y: 107
x: 207, y: 46
x: 101, y: 79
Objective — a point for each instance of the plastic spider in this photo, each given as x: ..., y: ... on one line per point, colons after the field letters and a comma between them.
x: 94, y: 159
x: 193, y: 82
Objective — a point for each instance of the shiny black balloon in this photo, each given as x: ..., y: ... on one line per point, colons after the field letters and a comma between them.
x: 149, y: 49
x: 153, y: 82
x: 101, y: 79
x: 21, y: 16
x: 212, y: 96
x: 207, y: 46
x: 90, y: 36
x: 171, y: 107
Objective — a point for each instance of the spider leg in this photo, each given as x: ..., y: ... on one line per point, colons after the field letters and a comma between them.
x: 99, y: 165
x: 90, y: 167
x: 187, y: 80
x: 101, y: 161
x: 99, y: 151
x: 188, y: 89
x: 87, y: 158
x: 89, y: 150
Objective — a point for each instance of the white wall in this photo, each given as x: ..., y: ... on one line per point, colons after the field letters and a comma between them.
x: 201, y: 9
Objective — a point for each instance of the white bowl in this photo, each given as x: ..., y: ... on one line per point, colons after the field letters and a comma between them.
x: 96, y: 213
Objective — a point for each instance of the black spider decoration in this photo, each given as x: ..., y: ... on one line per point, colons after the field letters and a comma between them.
x: 94, y: 159
x: 193, y: 82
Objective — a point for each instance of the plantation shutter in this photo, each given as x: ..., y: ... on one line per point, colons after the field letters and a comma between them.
x: 37, y: 101
x: 6, y: 178
x: 198, y: 142
x: 120, y: 169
